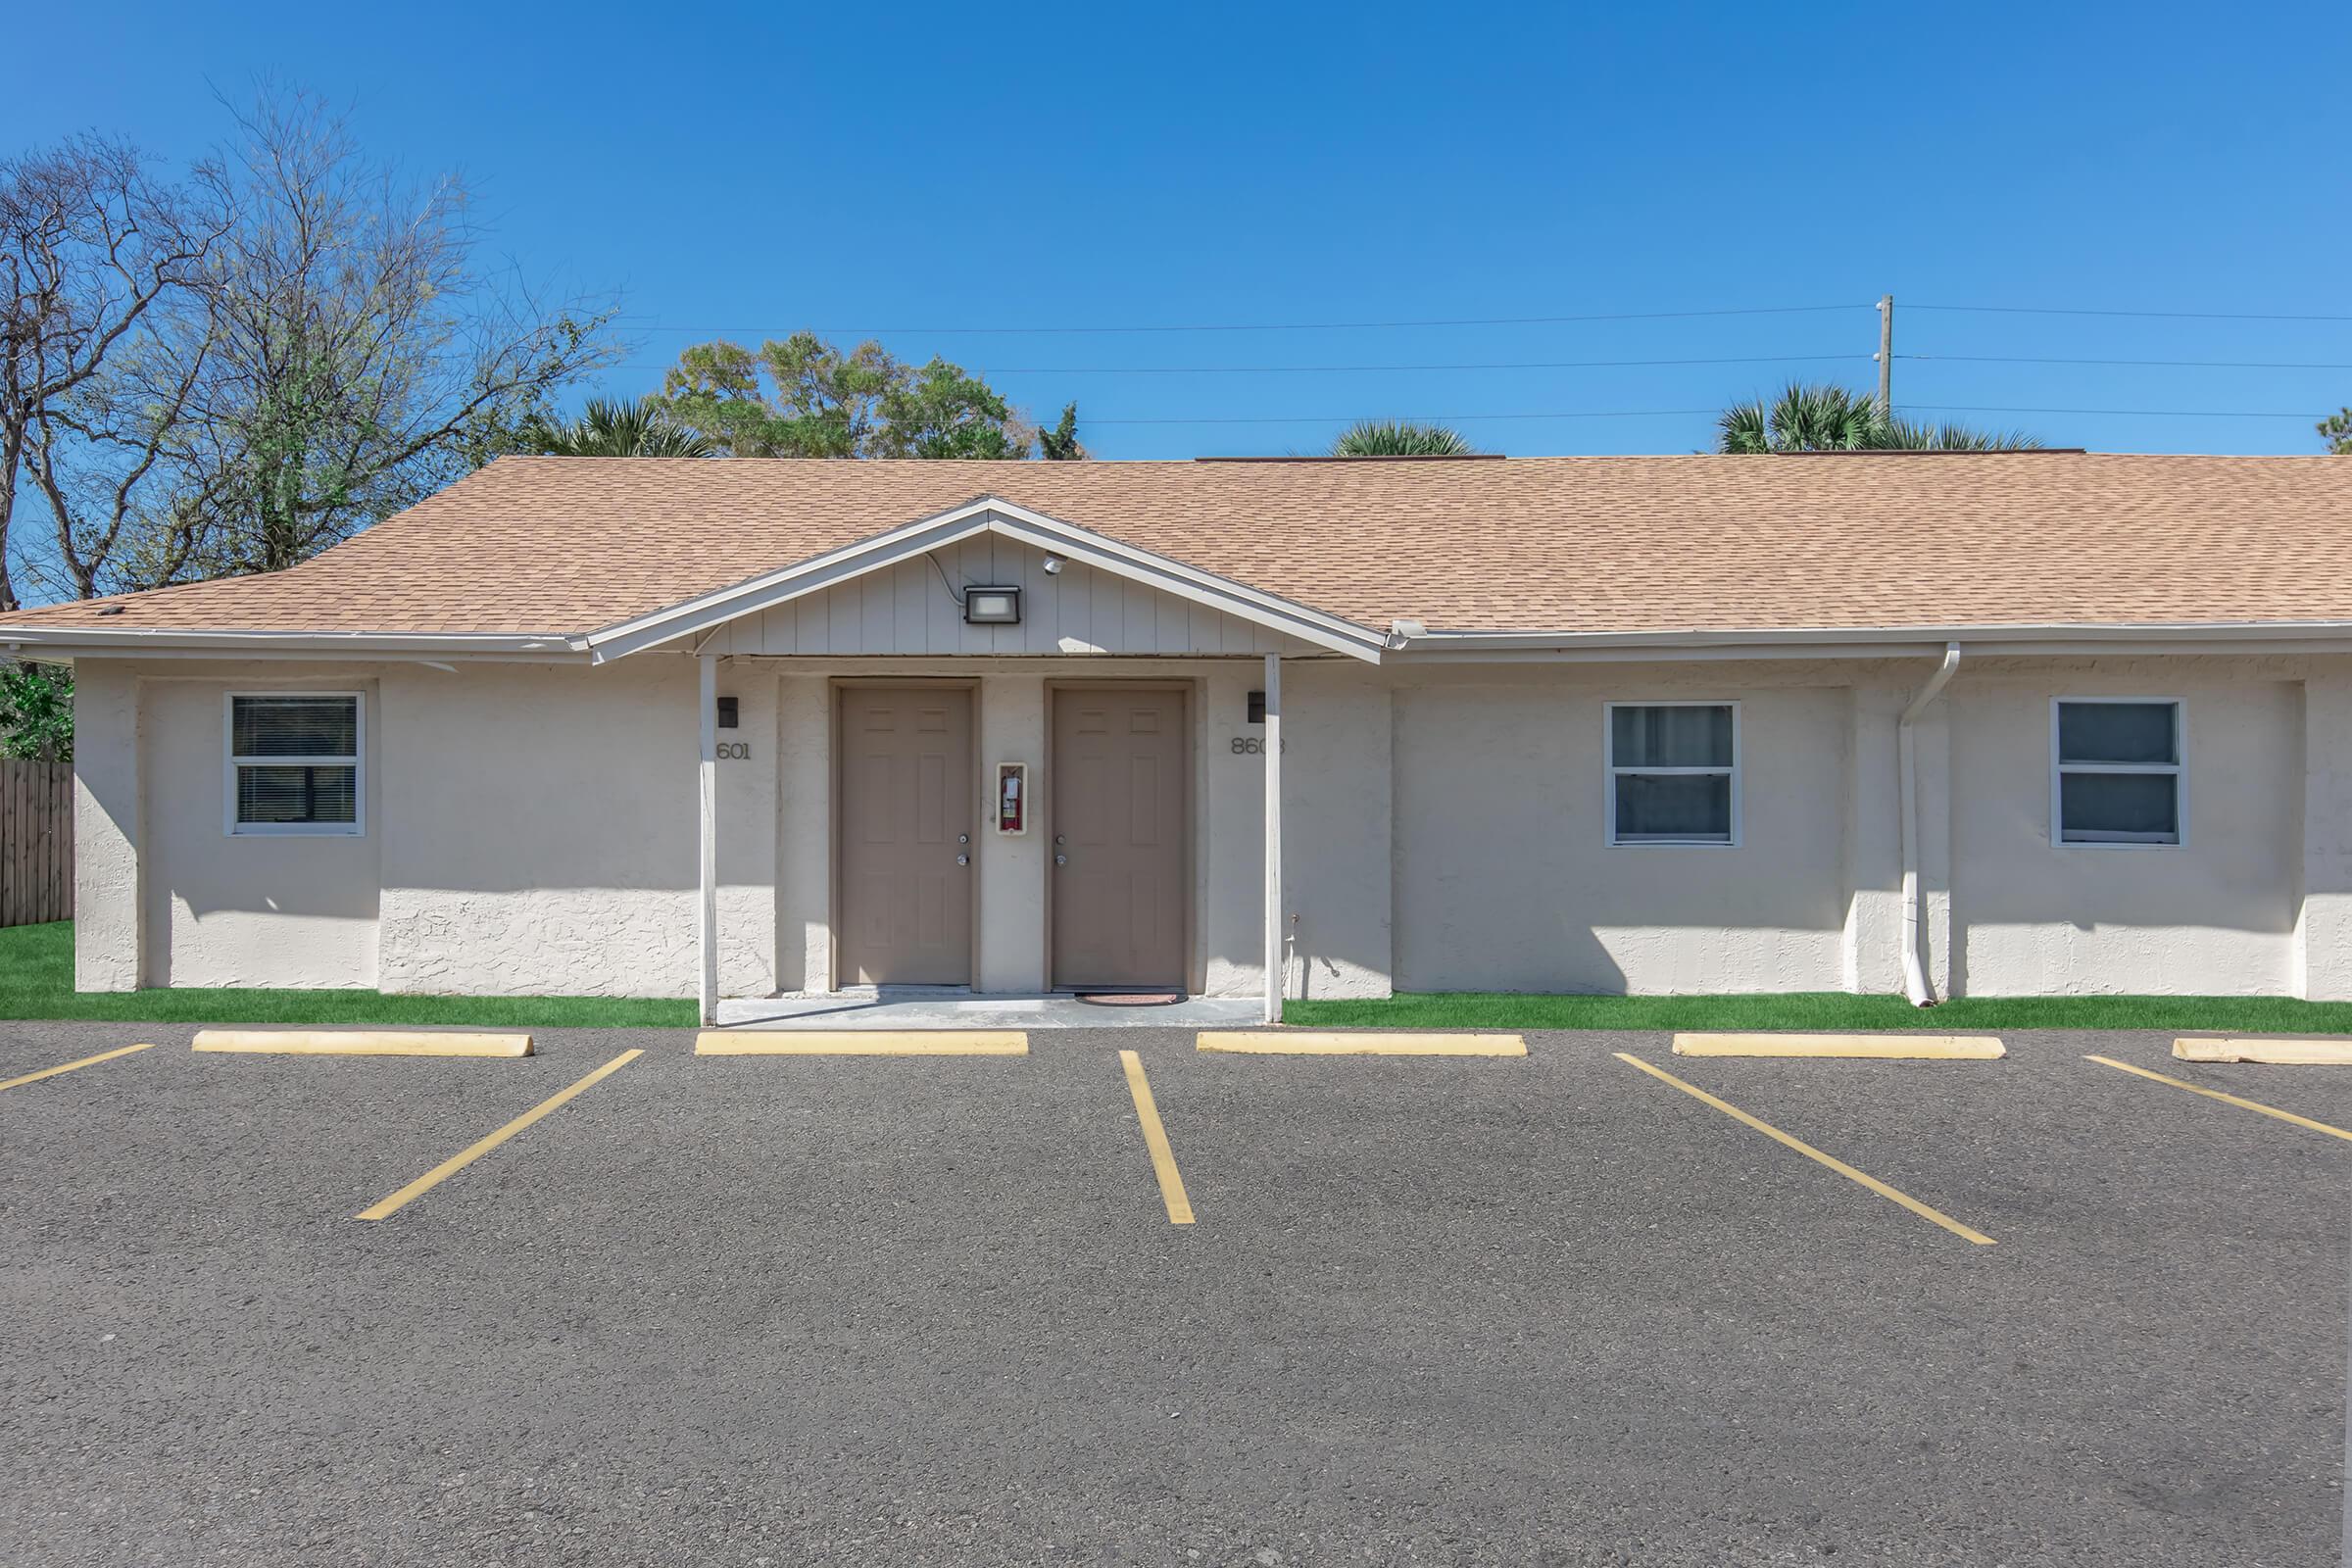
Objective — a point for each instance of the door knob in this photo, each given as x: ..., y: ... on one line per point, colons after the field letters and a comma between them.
x: 1061, y: 860
x: 963, y: 860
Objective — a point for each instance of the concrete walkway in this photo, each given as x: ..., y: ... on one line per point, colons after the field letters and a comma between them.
x: 952, y: 1008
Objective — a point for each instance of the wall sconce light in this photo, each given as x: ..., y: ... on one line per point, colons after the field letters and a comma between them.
x: 992, y: 606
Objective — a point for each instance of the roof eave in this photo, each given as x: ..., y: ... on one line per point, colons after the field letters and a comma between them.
x: 1878, y: 642
x: 987, y: 515
x: 174, y: 642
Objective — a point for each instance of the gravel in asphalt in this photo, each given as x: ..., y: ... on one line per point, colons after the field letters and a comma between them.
x: 797, y: 1310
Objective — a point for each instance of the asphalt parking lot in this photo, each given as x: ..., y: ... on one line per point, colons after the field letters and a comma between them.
x: 1550, y: 1309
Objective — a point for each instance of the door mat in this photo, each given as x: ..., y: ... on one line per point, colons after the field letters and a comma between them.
x: 1131, y: 999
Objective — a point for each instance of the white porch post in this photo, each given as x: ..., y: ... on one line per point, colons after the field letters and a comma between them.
x: 1274, y: 838
x: 707, y: 907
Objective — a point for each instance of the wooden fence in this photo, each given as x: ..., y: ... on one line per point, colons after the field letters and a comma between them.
x: 37, y: 841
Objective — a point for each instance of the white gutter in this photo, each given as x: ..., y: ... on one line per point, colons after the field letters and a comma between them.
x: 1875, y: 640
x: 110, y: 639
x: 1915, y: 978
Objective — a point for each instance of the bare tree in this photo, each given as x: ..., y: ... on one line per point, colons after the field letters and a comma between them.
x: 91, y: 247
x: 358, y: 353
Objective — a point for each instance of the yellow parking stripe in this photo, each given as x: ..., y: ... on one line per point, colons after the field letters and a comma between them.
x: 458, y: 1163
x: 1156, y: 1138
x: 361, y: 1042
x: 1356, y: 1043
x: 1810, y: 1152
x: 2332, y: 1051
x: 2226, y: 1099
x: 1874, y: 1048
x: 87, y: 1062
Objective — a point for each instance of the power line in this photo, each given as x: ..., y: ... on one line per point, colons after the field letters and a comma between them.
x: 2160, y: 315
x: 1316, y: 369
x: 2199, y: 364
x: 1431, y: 418
x: 1652, y: 413
x: 2160, y: 414
x: 1281, y: 326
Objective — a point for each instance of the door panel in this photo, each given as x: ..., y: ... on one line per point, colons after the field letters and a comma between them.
x: 1121, y: 818
x: 907, y: 812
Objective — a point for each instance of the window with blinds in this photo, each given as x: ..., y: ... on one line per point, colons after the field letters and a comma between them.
x: 1674, y: 772
x: 2115, y: 776
x: 294, y: 764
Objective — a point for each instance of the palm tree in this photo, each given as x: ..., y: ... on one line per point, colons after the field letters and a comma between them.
x: 1400, y: 438
x: 1826, y: 418
x: 610, y: 429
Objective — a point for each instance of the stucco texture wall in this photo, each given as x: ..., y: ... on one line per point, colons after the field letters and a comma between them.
x: 539, y: 830
x: 236, y: 911
x: 1504, y: 876
x: 2214, y: 915
x: 531, y: 829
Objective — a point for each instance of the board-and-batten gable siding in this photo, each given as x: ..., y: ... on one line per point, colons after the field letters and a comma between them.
x: 905, y: 609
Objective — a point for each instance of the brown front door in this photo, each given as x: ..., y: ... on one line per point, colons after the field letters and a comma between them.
x: 1119, y: 816
x: 906, y: 815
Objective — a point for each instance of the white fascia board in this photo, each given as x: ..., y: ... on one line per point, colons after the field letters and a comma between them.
x: 1882, y: 642
x: 135, y: 642
x: 989, y: 514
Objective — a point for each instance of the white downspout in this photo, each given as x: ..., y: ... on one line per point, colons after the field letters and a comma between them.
x: 705, y: 906
x: 1915, y: 977
x: 1273, y: 931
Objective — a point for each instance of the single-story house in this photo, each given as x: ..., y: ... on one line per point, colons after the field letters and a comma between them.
x: 1944, y: 723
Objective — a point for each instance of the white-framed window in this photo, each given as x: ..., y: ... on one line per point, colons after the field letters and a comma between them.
x: 293, y: 764
x: 1674, y: 772
x: 2116, y: 772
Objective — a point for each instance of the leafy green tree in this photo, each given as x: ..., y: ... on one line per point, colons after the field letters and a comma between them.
x: 805, y: 398
x: 1400, y: 438
x: 608, y: 429
x: 2336, y: 431
x: 1822, y: 417
x: 36, y: 712
x: 1061, y: 444
x: 943, y: 412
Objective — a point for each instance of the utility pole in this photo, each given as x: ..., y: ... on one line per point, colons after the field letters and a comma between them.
x: 1886, y: 357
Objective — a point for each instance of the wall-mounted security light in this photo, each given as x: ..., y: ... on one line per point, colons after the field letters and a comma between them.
x: 1052, y: 566
x: 992, y: 606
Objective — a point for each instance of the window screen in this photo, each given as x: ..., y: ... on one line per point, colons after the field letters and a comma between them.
x: 1673, y: 774
x: 294, y: 764
x: 2117, y: 772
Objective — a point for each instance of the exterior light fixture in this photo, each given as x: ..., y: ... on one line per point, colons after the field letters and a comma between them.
x: 992, y: 606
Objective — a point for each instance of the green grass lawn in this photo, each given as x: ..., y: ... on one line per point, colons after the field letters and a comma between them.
x: 1824, y: 1010
x: 36, y: 981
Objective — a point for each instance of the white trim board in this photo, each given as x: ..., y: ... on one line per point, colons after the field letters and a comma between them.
x: 985, y: 515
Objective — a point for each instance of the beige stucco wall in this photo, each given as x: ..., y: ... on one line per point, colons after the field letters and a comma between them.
x: 539, y: 830
x: 530, y: 829
x: 1504, y: 878
x: 2214, y: 915
x: 226, y: 910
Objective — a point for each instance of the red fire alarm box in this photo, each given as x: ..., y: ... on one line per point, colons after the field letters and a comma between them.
x: 1013, y: 799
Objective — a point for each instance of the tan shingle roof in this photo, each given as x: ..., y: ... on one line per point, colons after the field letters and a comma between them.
x: 546, y: 545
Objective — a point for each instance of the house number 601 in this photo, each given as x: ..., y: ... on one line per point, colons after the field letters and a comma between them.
x: 735, y: 751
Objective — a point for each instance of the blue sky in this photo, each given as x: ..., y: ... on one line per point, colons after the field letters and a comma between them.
x: 743, y: 171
